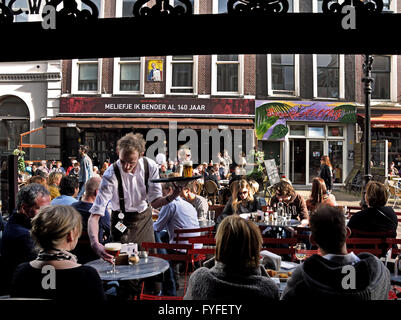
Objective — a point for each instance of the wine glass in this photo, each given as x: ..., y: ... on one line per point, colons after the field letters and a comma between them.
x: 113, y: 248
x: 300, y: 251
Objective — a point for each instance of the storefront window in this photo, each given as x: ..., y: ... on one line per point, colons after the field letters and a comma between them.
x: 336, y: 158
x: 296, y: 130
x: 335, y: 131
x: 316, y: 132
x: 128, y: 6
x: 316, y: 149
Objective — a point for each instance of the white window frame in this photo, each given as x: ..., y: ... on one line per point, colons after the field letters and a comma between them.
x: 75, y: 76
x: 169, y: 76
x: 341, y: 76
x: 116, y: 76
x: 296, y: 78
x: 393, y: 80
x: 240, y: 91
x: 215, y: 6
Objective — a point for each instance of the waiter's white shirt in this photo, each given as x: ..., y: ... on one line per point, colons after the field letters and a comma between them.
x: 134, y: 189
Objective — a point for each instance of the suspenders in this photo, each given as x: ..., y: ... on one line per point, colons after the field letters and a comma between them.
x: 120, y: 184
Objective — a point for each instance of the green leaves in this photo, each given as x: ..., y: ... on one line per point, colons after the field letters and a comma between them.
x: 279, y: 131
x: 262, y: 129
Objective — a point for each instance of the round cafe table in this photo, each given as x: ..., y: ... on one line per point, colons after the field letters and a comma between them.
x: 206, y: 223
x: 145, y: 268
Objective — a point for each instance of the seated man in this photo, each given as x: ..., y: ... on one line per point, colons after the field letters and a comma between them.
x: 83, y: 250
x: 178, y: 214
x: 17, y: 244
x: 213, y: 176
x: 336, y: 274
x: 69, y: 188
x: 200, y: 203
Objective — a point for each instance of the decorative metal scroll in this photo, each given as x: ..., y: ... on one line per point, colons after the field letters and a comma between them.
x: 71, y: 13
x: 162, y: 7
x: 365, y: 6
x: 257, y: 6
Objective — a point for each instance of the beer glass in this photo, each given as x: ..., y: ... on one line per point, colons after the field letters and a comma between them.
x: 113, y: 248
x: 188, y: 170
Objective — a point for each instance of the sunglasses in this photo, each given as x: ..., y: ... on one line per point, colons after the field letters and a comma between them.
x: 243, y: 192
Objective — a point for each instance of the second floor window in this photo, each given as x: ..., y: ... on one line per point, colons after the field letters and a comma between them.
x: 227, y: 72
x: 381, y: 77
x: 88, y: 75
x: 182, y: 68
x: 282, y: 70
x: 327, y: 75
x: 130, y: 73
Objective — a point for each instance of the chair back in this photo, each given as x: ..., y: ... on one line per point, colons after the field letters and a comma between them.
x: 280, y: 246
x: 180, y: 233
x: 209, y: 245
x: 375, y: 246
x: 185, y: 257
x: 395, y: 245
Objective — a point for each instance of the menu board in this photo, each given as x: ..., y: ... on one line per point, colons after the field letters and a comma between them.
x: 272, y: 171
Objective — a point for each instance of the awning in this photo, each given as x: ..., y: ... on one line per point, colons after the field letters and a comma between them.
x: 384, y: 120
x: 156, y: 122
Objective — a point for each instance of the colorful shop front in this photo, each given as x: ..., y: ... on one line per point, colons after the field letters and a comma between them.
x: 297, y: 133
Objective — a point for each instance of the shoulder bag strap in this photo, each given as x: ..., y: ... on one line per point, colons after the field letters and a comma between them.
x: 146, y: 165
x: 120, y: 187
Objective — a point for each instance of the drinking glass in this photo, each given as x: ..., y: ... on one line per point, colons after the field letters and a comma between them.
x: 300, y: 251
x: 113, y: 248
x: 211, y: 215
x: 289, y: 214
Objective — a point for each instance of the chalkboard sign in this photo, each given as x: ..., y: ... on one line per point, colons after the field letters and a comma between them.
x: 272, y: 171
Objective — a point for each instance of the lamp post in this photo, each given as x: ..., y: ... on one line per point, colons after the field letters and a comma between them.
x: 367, y: 79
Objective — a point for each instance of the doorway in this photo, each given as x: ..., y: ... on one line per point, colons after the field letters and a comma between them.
x: 298, y: 161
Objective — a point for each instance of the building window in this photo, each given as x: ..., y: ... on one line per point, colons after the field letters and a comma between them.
x: 227, y: 71
x: 127, y: 75
x: 387, y: 5
x: 297, y: 130
x: 181, y: 75
x: 327, y: 75
x: 381, y: 77
x: 127, y: 8
x: 88, y: 75
x: 282, y: 74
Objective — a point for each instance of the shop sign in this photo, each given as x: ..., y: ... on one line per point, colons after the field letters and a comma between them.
x: 271, y: 116
x: 135, y: 106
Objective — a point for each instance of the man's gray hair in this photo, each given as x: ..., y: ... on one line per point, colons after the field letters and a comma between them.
x: 28, y: 194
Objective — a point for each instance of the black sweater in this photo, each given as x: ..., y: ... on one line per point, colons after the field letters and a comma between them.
x: 327, y: 175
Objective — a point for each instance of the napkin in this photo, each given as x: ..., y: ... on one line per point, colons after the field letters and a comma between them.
x: 270, y: 260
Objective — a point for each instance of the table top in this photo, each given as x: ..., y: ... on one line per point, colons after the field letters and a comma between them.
x: 146, y: 268
x: 206, y: 223
x: 291, y: 223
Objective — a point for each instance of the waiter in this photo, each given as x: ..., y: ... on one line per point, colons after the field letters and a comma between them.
x: 126, y: 184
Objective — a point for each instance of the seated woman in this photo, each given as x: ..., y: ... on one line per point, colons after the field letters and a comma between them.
x: 56, y: 230
x: 285, y: 193
x: 377, y: 217
x: 319, y: 196
x: 241, y: 201
x: 236, y: 273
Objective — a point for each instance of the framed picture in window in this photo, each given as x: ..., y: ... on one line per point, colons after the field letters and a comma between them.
x: 155, y: 70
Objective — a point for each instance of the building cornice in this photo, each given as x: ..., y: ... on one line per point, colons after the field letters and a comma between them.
x: 30, y: 77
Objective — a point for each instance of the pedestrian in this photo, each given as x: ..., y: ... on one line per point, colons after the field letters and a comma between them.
x: 326, y: 172
x: 86, y: 169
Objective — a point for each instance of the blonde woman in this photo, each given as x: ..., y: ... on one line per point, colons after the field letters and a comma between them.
x: 53, y: 182
x: 56, y: 230
x: 236, y: 273
x: 241, y: 200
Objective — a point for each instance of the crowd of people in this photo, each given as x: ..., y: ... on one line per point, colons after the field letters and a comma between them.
x: 64, y: 218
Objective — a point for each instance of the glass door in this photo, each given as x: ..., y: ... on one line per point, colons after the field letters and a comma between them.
x: 336, y: 159
x: 298, y: 161
x: 316, y: 151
